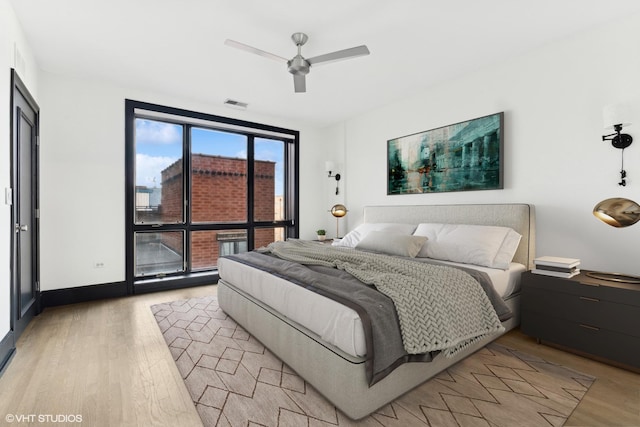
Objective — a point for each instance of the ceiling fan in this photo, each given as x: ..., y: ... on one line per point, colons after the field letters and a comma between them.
x: 300, y: 66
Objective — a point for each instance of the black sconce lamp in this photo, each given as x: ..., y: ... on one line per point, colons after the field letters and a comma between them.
x: 616, y: 117
x: 329, y: 167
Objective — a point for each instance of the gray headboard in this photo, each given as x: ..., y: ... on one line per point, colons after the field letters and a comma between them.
x: 520, y: 217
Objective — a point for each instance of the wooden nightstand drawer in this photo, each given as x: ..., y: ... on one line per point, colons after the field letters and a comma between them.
x: 585, y: 286
x: 599, y: 342
x: 588, y: 310
x: 592, y: 316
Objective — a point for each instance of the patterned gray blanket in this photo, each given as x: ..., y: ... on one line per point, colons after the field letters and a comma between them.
x: 439, y: 307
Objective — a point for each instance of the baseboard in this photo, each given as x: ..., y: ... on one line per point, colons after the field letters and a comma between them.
x: 82, y: 294
x: 119, y: 289
x: 192, y: 280
x: 7, y: 350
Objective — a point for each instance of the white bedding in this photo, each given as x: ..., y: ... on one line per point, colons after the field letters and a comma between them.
x: 505, y: 282
x: 331, y: 321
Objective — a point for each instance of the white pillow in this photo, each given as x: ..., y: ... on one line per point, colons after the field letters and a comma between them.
x: 353, y: 237
x: 486, y: 245
x: 391, y: 243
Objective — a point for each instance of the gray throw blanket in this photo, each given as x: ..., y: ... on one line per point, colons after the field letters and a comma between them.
x: 439, y: 307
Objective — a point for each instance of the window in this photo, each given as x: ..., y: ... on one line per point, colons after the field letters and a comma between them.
x: 200, y: 187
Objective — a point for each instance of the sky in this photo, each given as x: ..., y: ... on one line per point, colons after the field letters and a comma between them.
x: 159, y: 144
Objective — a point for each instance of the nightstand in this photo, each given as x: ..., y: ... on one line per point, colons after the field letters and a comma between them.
x: 592, y: 317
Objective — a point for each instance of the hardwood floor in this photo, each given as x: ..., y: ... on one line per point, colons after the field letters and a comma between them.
x: 612, y: 400
x: 107, y: 362
x: 104, y: 360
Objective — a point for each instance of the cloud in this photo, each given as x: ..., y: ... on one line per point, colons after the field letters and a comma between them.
x: 148, y: 169
x: 152, y: 132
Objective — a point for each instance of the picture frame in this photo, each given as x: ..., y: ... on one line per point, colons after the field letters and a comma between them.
x: 464, y: 156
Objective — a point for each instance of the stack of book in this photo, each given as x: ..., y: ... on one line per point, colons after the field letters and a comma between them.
x: 556, y: 266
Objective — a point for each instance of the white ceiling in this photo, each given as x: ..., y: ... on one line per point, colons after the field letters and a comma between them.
x: 177, y: 46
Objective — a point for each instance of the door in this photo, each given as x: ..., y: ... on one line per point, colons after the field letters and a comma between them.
x: 24, y: 183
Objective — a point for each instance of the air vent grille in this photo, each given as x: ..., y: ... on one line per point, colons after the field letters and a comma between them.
x: 238, y: 105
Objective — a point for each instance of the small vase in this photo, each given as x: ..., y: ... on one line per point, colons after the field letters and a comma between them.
x: 321, y: 237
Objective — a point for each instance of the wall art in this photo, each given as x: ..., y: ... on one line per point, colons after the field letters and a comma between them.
x: 460, y: 157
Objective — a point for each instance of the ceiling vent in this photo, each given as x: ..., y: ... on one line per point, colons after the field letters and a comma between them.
x: 235, y: 104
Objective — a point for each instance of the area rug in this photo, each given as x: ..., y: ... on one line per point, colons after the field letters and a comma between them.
x: 235, y: 381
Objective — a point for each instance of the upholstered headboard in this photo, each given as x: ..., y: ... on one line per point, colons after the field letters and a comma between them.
x: 520, y: 217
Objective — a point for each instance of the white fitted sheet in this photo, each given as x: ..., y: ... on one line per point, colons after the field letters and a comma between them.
x: 505, y: 282
x: 331, y: 321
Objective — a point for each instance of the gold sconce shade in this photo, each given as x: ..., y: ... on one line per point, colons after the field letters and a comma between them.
x: 338, y: 211
x: 617, y: 212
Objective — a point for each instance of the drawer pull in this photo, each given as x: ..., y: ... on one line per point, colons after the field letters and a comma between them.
x: 590, y: 299
x: 593, y: 328
x: 590, y: 284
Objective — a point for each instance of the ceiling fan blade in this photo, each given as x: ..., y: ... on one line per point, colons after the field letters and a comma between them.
x: 252, y: 49
x: 299, y: 83
x: 339, y: 55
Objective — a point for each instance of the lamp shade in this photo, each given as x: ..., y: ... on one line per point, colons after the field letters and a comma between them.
x: 329, y: 166
x: 617, y: 212
x: 338, y: 211
x: 616, y: 114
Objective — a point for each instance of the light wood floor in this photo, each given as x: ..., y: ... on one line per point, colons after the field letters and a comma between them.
x: 107, y: 361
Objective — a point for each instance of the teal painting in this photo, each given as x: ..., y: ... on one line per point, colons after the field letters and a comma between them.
x: 464, y: 156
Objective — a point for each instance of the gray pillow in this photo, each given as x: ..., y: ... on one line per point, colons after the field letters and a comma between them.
x: 392, y: 243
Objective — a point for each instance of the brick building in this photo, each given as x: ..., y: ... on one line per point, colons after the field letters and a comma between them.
x: 219, y: 195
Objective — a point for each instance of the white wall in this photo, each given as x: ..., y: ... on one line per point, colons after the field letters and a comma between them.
x: 333, y: 140
x: 11, y: 37
x: 83, y: 171
x: 554, y: 156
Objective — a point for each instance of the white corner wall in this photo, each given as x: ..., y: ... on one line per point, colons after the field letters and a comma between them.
x: 11, y: 39
x: 554, y: 155
x: 83, y: 171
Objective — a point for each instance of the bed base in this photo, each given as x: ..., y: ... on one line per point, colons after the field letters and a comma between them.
x: 339, y: 377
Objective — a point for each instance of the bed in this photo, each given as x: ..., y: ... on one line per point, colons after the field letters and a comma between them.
x: 336, y: 365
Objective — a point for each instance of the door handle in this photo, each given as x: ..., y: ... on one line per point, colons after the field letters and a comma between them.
x: 20, y: 228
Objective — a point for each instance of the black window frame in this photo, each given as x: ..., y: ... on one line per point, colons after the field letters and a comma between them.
x: 251, y: 130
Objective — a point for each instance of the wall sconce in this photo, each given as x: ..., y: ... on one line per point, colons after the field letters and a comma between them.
x: 330, y: 167
x: 616, y: 117
x: 617, y: 212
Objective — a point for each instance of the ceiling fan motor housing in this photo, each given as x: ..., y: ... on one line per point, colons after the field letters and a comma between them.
x: 298, y: 66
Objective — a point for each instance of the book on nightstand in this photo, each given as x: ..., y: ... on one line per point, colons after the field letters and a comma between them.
x: 556, y: 266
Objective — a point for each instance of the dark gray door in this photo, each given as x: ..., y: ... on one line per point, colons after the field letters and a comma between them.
x: 24, y: 176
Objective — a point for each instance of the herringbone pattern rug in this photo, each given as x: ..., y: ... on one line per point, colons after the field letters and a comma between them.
x: 235, y: 381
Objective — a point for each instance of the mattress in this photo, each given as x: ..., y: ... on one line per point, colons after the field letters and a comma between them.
x: 333, y: 322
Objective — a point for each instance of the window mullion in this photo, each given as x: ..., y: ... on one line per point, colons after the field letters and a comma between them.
x: 250, y: 191
x: 186, y: 143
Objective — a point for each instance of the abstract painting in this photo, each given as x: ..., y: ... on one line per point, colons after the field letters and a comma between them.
x: 460, y: 157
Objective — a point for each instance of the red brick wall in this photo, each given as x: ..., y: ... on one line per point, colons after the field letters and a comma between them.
x: 264, y: 189
x: 170, y: 209
x: 219, y: 190
x: 264, y: 236
x: 204, y: 249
